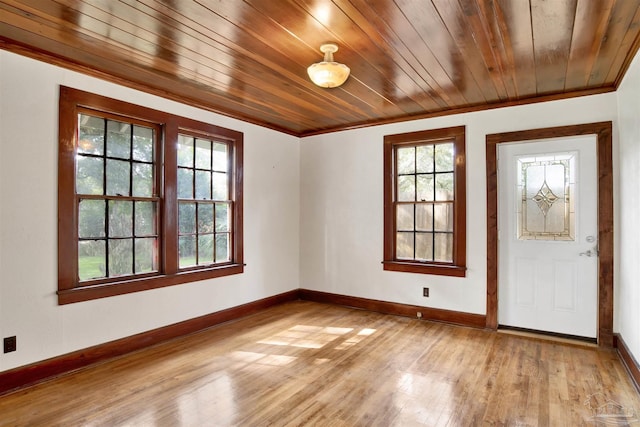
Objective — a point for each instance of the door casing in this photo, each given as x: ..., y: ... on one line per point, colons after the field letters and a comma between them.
x: 603, y: 133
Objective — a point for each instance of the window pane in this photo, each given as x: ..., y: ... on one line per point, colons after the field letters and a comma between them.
x: 220, y: 162
x: 90, y: 135
x: 205, y: 249
x: 203, y: 185
x: 404, y: 219
x: 424, y: 155
x: 407, y: 188
x: 185, y: 184
x: 444, y: 186
x: 406, y: 160
x: 404, y: 245
x: 120, y: 257
x: 91, y: 218
x: 205, y: 218
x: 92, y: 259
x: 145, y: 219
x: 220, y: 186
x: 444, y: 157
x: 185, y: 151
x: 120, y: 219
x: 118, y: 139
x: 222, y: 247
x: 187, y: 251
x: 146, y: 259
x: 425, y: 187
x: 89, y: 175
x: 443, y: 217
x: 443, y: 250
x: 142, y: 180
x: 203, y: 154
x: 424, y: 246
x: 118, y: 173
x: 222, y: 217
x: 142, y: 144
x: 187, y: 218
x: 424, y: 217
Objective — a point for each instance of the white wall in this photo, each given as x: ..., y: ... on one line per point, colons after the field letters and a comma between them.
x: 28, y: 218
x: 628, y: 284
x: 342, y: 204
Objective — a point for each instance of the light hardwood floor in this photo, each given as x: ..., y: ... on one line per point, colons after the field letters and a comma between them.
x: 310, y: 364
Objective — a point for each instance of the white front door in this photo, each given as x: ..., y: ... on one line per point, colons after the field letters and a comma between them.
x: 548, y: 228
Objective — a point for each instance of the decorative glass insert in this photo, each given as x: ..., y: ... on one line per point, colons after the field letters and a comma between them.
x: 546, y: 189
x: 117, y: 199
x: 204, y: 204
x: 424, y: 202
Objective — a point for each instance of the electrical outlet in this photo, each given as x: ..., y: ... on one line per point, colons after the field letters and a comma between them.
x: 425, y: 292
x: 10, y: 344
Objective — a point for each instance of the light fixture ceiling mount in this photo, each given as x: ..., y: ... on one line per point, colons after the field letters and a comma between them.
x: 328, y: 73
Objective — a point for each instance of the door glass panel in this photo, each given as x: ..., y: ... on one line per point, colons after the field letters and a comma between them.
x: 546, y: 189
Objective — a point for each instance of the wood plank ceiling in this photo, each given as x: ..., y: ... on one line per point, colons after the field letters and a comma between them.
x: 408, y: 58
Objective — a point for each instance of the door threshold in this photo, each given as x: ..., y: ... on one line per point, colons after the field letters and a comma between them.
x: 549, y: 336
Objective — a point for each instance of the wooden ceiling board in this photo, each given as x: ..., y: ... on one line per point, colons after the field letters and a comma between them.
x: 408, y: 58
x: 408, y: 61
x: 515, y: 26
x: 630, y: 43
x: 619, y: 24
x: 428, y: 39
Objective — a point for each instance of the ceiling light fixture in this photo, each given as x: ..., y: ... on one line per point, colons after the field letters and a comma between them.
x: 328, y: 73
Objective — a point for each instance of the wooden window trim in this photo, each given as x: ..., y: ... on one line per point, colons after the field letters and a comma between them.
x: 458, y: 267
x: 71, y: 102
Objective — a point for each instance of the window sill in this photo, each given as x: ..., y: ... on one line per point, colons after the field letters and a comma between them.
x: 104, y: 290
x: 425, y: 268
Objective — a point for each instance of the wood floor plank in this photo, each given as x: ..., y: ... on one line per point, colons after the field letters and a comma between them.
x: 305, y: 363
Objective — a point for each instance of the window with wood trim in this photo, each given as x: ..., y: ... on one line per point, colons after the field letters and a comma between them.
x: 203, y: 201
x: 425, y: 202
x: 145, y: 199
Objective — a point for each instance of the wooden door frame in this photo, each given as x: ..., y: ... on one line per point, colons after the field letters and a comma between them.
x: 602, y: 131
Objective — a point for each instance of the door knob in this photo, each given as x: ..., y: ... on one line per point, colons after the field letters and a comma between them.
x: 591, y: 252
